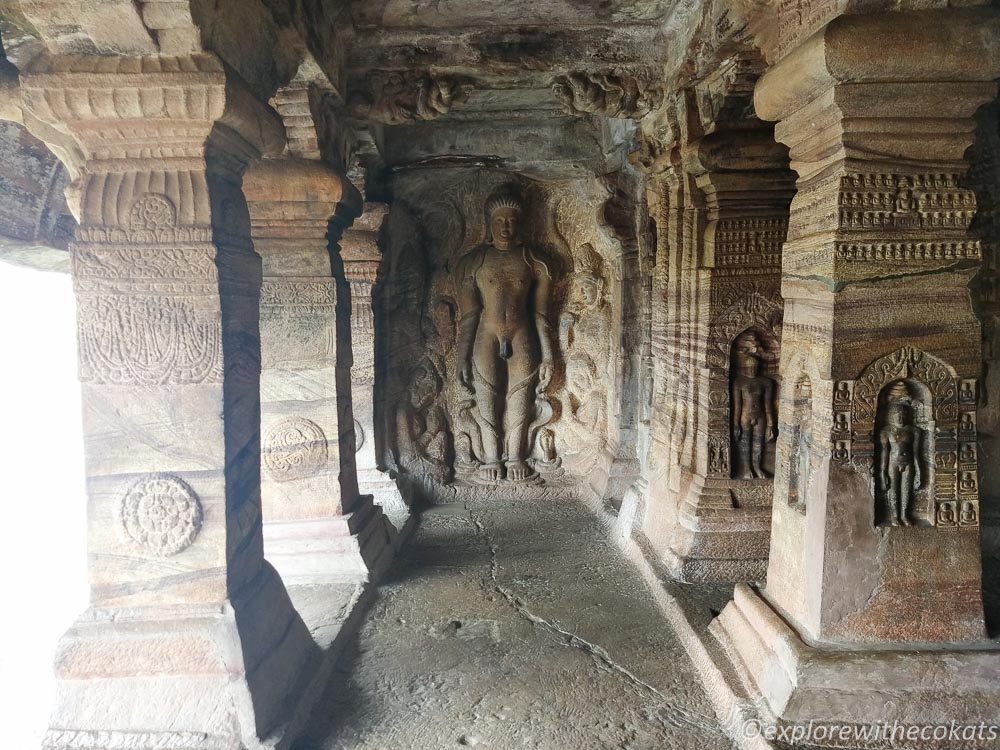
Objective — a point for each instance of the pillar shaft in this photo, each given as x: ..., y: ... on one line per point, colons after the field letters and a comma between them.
x: 360, y: 250
x: 318, y: 528
x: 176, y: 639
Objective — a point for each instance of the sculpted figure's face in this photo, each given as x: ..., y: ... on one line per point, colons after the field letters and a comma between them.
x: 898, y: 416
x: 589, y: 290
x: 504, y: 225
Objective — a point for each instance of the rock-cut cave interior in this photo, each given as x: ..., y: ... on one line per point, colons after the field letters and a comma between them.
x: 561, y: 374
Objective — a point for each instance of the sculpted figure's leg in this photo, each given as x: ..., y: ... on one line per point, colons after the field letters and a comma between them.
x: 759, y: 439
x: 892, y: 495
x: 746, y: 439
x: 486, y: 368
x: 905, y: 494
x: 522, y: 374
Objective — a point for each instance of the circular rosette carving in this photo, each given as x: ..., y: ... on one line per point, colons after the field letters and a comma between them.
x: 359, y: 436
x: 294, y: 448
x: 161, y: 514
x: 152, y: 211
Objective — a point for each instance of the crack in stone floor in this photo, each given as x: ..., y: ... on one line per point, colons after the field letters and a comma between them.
x: 472, y: 644
x: 574, y: 640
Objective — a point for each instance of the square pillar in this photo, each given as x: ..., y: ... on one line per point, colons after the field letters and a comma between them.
x: 190, y: 633
x: 720, y: 343
x: 875, y: 546
x: 360, y: 251
x: 318, y: 528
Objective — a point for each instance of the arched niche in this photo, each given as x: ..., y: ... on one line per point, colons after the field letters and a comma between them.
x: 754, y: 316
x: 753, y: 418
x: 939, y: 404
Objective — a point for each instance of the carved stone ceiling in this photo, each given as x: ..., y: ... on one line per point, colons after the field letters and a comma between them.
x: 512, y: 49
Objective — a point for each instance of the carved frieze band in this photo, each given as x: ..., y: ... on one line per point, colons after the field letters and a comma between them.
x: 888, y: 201
x: 315, y: 293
x: 750, y: 242
x: 799, y: 19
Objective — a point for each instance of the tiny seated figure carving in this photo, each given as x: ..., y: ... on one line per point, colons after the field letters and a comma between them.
x: 899, y: 465
x: 753, y: 420
x: 504, y: 349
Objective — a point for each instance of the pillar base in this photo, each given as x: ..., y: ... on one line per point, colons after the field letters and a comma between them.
x: 723, y: 532
x: 798, y: 687
x: 208, y: 677
x: 383, y: 489
x: 354, y: 547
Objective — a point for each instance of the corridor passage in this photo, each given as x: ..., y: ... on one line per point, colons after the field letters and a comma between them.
x: 514, y: 625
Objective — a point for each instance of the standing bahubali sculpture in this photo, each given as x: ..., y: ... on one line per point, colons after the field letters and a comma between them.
x: 753, y: 418
x: 504, y: 349
x: 900, y: 455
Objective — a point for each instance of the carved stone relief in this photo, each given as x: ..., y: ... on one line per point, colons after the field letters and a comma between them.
x: 423, y: 438
x: 742, y: 419
x: 584, y: 335
x: 752, y: 408
x: 505, y: 349
x: 161, y: 514
x: 614, y: 93
x: 516, y: 313
x: 397, y: 97
x: 294, y: 448
x: 908, y: 424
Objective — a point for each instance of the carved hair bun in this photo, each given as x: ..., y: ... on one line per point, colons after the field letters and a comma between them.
x: 504, y: 197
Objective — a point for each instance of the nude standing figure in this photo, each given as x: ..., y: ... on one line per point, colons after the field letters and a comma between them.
x: 505, y: 352
x: 753, y: 412
x: 899, y: 445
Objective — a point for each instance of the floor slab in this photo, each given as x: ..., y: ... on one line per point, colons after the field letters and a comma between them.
x: 514, y: 625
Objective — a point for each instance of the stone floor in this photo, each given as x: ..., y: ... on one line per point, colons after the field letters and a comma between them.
x: 508, y: 626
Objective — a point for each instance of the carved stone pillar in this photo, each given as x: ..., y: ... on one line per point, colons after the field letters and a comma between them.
x: 875, y: 545
x: 190, y: 638
x: 318, y: 528
x: 360, y: 251
x: 724, y: 319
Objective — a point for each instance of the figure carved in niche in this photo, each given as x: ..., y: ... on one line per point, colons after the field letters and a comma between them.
x: 753, y: 420
x: 421, y: 426
x: 899, y: 443
x: 504, y: 349
x: 800, y: 465
x: 584, y: 333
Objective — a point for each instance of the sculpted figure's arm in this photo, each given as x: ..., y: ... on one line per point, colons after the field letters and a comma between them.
x: 566, y: 323
x: 737, y: 410
x: 769, y: 409
x: 470, y: 307
x: 543, y: 288
x: 883, y: 441
x: 918, y: 449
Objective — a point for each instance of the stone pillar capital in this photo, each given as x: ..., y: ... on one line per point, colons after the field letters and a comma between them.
x: 935, y: 46
x: 307, y: 189
x: 139, y: 110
